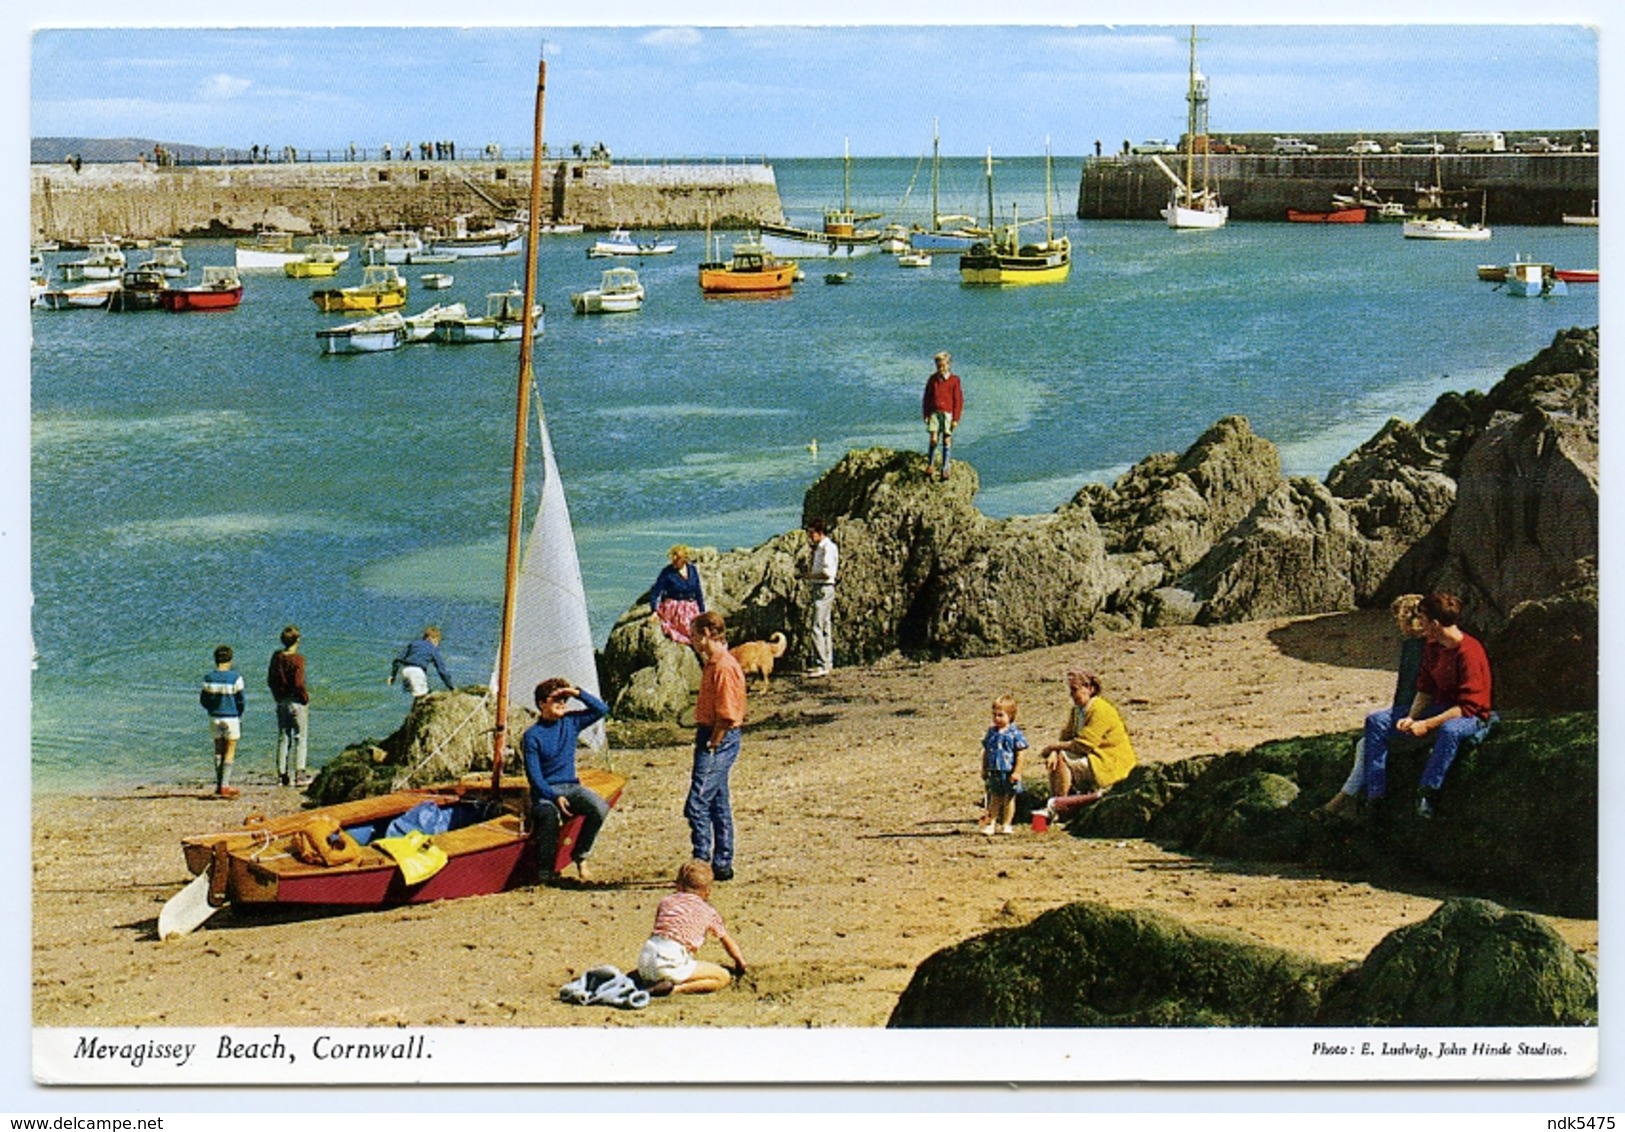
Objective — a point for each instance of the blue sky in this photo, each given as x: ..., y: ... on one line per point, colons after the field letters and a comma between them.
x: 791, y: 88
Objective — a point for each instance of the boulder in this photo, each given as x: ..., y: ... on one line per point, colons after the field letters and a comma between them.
x: 1471, y: 963
x: 1292, y: 554
x: 1088, y: 964
x: 1546, y: 655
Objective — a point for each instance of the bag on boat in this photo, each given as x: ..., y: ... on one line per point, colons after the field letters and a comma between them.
x: 418, y: 857
x: 425, y: 817
x: 321, y: 841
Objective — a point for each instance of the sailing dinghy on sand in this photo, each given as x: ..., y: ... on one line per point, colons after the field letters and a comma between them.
x: 467, y: 838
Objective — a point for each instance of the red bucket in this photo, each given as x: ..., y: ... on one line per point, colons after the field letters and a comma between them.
x: 1040, y: 822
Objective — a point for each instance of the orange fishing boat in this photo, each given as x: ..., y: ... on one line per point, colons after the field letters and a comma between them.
x: 753, y: 270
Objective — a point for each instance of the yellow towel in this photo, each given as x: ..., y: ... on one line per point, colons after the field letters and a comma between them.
x: 418, y: 857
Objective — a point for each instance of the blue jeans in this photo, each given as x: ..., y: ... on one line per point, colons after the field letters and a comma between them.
x: 1379, y: 731
x: 548, y: 821
x: 708, y: 808
x: 291, y: 720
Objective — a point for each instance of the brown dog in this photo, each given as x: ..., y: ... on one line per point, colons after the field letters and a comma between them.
x: 758, y: 656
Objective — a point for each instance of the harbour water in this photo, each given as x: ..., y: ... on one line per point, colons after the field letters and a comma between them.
x: 207, y: 478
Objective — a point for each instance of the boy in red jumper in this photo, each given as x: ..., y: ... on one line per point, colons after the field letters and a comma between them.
x: 942, y: 405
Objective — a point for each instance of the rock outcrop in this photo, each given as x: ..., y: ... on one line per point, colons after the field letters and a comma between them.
x: 1492, y: 495
x: 1518, y: 814
x: 1471, y: 963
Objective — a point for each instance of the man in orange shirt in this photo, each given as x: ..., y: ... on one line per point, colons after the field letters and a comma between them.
x: 718, y: 717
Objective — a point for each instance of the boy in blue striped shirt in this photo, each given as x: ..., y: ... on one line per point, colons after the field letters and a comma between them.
x: 222, y: 698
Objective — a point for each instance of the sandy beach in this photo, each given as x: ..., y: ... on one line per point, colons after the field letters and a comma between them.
x: 855, y: 800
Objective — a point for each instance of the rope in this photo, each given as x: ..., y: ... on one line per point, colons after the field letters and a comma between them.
x: 402, y: 780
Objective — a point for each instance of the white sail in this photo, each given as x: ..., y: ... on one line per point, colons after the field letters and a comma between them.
x: 552, y: 636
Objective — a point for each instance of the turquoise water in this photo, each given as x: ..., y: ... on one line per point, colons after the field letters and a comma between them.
x: 207, y: 478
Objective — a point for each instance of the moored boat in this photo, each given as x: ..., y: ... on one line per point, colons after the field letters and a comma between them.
x: 503, y: 321
x: 620, y: 243
x: 86, y: 296
x: 753, y: 270
x: 270, y: 250
x: 837, y: 277
x: 839, y: 238
x: 1583, y: 219
x: 619, y: 290
x: 1577, y: 274
x: 1443, y: 228
x: 221, y: 289
x: 381, y: 288
x: 1004, y: 260
x: 420, y: 326
x: 435, y: 280
x: 1193, y: 206
x: 396, y: 246
x: 497, y: 240
x: 1492, y: 272
x: 168, y: 257
x: 1341, y: 215
x: 946, y: 233
x: 104, y: 260
x: 316, y: 261
x: 914, y: 259
x: 141, y: 288
x: 368, y: 336
x: 1528, y: 279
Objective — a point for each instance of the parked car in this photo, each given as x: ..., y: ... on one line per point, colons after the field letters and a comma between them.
x: 1365, y: 145
x: 1434, y: 146
x: 1482, y: 141
x: 1294, y: 145
x: 1156, y: 145
x: 1541, y: 145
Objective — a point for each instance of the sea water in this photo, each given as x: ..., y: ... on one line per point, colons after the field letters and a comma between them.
x: 201, y: 479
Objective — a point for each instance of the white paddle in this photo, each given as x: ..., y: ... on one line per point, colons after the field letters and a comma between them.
x: 187, y: 909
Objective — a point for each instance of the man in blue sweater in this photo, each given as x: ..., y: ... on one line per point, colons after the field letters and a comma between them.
x: 556, y: 794
x: 413, y: 665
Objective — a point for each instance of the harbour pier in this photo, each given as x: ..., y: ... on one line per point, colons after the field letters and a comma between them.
x: 145, y: 200
x: 1516, y: 188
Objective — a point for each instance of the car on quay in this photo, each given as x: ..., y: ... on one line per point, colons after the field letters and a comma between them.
x: 1156, y: 145
x: 1482, y: 141
x: 1366, y: 145
x: 1293, y: 146
x: 1435, y: 146
x: 1541, y: 144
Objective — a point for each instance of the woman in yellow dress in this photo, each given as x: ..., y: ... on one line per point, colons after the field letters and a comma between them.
x: 1094, y: 750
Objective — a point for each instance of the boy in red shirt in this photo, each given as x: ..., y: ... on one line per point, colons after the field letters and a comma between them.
x: 941, y: 405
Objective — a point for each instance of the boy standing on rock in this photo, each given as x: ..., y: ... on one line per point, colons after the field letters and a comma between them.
x: 942, y: 405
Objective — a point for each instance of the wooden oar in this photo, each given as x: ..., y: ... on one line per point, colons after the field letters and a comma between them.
x: 187, y: 909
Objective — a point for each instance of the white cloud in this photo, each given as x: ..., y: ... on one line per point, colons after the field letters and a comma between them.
x: 218, y: 88
x: 671, y: 37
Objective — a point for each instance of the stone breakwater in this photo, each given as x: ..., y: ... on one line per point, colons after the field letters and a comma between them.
x: 1491, y: 495
x: 145, y: 201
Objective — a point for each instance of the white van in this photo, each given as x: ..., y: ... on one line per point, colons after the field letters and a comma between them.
x: 1482, y: 141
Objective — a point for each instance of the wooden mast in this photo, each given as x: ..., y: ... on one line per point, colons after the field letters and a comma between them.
x: 1190, y: 128
x: 521, y: 422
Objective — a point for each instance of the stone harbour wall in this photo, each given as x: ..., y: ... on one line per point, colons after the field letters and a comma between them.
x: 139, y: 200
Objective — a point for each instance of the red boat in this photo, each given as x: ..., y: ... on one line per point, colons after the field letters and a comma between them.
x: 1577, y: 274
x: 1333, y: 216
x: 220, y: 290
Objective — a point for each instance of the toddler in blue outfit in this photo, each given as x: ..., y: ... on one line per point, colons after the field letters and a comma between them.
x: 1002, y: 749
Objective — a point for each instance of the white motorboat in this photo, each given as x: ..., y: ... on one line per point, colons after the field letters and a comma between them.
x: 420, y: 326
x: 617, y: 292
x: 88, y: 295
x: 435, y: 280
x: 620, y: 243
x: 1443, y: 228
x: 503, y: 321
x: 397, y: 246
x: 1527, y: 280
x: 368, y: 336
x: 270, y: 250
x: 168, y: 259
x: 914, y: 259
x: 499, y: 239
x: 103, y: 261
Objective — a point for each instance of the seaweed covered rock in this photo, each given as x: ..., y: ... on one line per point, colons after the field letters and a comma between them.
x: 1518, y: 814
x: 1089, y: 964
x: 444, y: 736
x: 1546, y: 653
x: 1471, y: 963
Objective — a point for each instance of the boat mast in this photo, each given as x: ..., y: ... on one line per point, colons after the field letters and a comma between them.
x: 846, y: 179
x: 936, y: 221
x: 1190, y: 126
x: 1049, y: 164
x: 990, y: 219
x: 516, y: 497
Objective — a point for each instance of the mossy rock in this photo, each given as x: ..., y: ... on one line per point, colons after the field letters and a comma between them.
x: 1088, y: 964
x: 1471, y: 963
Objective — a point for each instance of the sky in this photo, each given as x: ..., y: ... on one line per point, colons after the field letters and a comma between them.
x: 787, y: 89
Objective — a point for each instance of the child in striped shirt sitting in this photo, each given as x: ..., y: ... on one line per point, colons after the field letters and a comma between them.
x: 667, y: 964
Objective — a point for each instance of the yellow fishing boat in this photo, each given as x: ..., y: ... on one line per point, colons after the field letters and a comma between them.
x: 381, y: 289
x: 1004, y: 260
x: 319, y: 262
